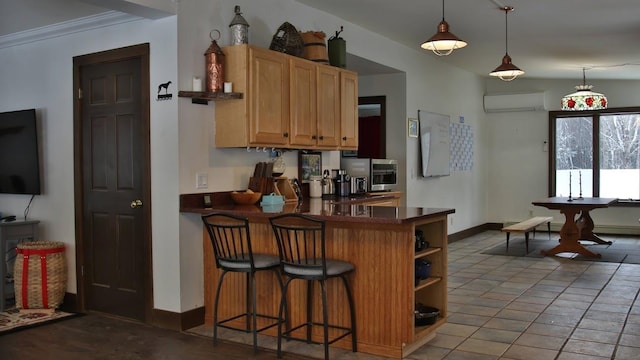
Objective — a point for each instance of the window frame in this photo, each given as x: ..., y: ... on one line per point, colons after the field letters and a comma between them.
x: 595, y: 114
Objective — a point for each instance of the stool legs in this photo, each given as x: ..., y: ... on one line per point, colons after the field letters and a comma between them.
x: 352, y: 311
x: 325, y: 318
x: 215, y: 308
x: 251, y: 310
x: 507, y: 249
x: 283, y: 301
x: 309, y: 316
x: 251, y: 278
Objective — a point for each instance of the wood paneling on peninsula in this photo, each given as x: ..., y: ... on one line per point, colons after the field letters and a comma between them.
x: 380, y: 242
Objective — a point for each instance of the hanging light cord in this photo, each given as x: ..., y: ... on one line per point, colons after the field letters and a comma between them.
x: 442, y: 10
x: 506, y: 28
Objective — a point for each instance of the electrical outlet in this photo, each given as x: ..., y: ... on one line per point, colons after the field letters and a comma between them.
x: 202, y: 181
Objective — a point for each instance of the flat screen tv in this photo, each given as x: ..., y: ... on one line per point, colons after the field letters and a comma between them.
x: 19, y: 165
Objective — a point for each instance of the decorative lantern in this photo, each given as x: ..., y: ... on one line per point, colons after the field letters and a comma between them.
x: 214, y: 58
x: 239, y: 28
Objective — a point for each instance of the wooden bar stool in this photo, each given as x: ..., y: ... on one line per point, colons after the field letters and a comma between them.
x: 301, y: 245
x: 231, y: 243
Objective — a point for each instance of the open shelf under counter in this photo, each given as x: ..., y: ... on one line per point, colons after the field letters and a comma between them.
x: 203, y: 97
x: 428, y: 282
x: 426, y: 252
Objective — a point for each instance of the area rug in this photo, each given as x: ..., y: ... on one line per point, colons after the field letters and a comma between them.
x: 623, y: 250
x: 13, y: 320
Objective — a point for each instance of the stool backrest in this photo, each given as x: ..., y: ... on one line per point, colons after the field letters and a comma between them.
x: 230, y: 238
x: 301, y: 243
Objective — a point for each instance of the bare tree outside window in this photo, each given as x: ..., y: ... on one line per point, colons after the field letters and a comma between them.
x: 614, y: 171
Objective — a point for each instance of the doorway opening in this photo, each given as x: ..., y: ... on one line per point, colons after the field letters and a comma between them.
x: 372, y: 124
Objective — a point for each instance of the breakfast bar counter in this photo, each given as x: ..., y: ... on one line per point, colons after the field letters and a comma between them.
x: 381, y: 243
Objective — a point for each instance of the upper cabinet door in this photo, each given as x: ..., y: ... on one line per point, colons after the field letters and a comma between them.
x: 329, y: 107
x: 304, y: 121
x: 269, y: 105
x: 349, y: 110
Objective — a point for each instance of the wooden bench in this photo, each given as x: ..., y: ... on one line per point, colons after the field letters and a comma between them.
x: 526, y: 227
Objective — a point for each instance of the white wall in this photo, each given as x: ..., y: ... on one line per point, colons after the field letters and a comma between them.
x: 394, y: 88
x: 39, y: 75
x: 518, y: 166
x: 431, y: 85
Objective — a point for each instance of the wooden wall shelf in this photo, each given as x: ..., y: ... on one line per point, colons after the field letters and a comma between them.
x: 203, y: 97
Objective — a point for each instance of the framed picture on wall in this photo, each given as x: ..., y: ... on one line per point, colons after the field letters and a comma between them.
x: 309, y: 164
x: 412, y: 128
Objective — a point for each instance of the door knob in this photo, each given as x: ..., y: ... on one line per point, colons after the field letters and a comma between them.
x: 136, y: 203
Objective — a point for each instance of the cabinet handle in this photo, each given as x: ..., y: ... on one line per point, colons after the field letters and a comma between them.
x: 321, y: 137
x: 285, y: 135
x: 344, y: 138
x: 314, y: 137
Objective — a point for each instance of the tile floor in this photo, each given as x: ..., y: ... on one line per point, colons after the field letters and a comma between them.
x: 507, y: 307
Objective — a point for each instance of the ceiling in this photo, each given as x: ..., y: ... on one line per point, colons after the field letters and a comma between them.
x: 547, y: 39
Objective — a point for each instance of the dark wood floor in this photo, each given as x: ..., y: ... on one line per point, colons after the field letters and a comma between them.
x: 99, y: 337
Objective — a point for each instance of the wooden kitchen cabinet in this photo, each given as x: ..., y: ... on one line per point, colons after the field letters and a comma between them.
x: 288, y: 102
x: 261, y: 118
x: 303, y: 104
x: 329, y: 117
x: 315, y: 105
x: 349, y: 110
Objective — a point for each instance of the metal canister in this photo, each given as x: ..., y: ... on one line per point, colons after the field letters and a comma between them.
x: 239, y: 28
x: 315, y: 186
x: 214, y: 58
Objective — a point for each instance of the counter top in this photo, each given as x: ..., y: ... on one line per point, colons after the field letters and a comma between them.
x: 347, y: 209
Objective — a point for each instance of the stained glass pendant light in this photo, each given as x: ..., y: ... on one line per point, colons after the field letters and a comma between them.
x: 584, y: 98
x: 443, y: 42
x: 506, y: 71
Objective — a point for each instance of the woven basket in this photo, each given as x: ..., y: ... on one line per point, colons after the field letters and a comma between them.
x: 40, y: 275
x: 287, y: 40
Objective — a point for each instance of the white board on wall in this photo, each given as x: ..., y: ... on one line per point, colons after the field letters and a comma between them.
x: 435, y: 143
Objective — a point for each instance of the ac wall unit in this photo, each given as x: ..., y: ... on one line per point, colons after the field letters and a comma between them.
x: 515, y: 102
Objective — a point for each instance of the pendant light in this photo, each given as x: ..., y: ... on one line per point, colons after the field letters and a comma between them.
x: 506, y: 71
x: 584, y: 98
x: 443, y: 42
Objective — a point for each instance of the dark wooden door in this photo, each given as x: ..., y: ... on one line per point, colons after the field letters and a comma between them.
x: 115, y: 270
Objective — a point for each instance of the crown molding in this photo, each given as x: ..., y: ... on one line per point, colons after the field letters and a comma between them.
x: 107, y: 18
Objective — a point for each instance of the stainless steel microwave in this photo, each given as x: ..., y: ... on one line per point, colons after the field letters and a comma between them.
x: 382, y: 174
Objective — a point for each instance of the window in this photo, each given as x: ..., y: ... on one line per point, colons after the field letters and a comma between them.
x: 595, y: 153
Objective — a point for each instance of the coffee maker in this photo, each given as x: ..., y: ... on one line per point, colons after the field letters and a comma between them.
x: 343, y: 183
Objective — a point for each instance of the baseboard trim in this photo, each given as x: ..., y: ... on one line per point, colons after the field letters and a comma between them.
x: 177, y: 321
x: 473, y: 231
x: 160, y: 318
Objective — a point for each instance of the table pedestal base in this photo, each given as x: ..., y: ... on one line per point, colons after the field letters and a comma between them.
x: 572, y: 231
x: 572, y: 248
x: 585, y: 226
x: 575, y: 230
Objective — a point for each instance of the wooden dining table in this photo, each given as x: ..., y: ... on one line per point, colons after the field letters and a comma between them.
x: 574, y: 229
